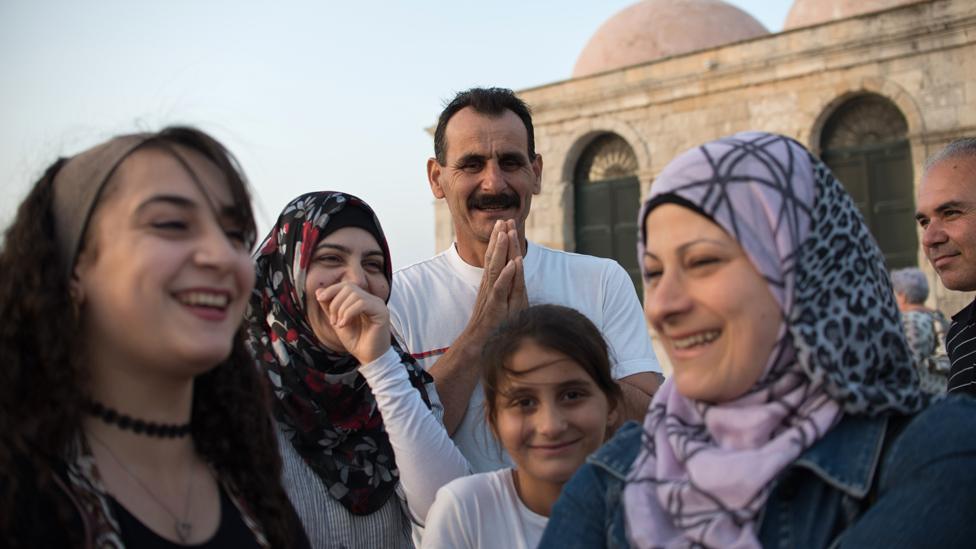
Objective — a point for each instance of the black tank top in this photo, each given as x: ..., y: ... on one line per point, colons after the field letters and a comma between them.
x: 231, y: 533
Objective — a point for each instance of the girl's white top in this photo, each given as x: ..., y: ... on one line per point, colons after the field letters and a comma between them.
x: 482, y: 511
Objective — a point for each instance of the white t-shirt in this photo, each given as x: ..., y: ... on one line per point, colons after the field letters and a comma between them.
x: 431, y: 303
x: 482, y: 511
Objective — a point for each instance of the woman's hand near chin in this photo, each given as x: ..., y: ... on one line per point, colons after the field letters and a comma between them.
x: 359, y: 319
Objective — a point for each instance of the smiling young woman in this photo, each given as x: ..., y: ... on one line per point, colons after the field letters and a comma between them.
x: 130, y: 412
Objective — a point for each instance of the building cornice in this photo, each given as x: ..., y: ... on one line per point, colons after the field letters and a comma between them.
x: 897, y: 33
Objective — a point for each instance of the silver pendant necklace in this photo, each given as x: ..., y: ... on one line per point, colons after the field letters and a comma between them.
x: 183, y: 527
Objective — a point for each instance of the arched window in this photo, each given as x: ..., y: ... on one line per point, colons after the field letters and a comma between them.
x: 864, y: 143
x: 606, y: 199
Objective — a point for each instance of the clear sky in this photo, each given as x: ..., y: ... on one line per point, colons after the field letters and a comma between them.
x: 310, y: 95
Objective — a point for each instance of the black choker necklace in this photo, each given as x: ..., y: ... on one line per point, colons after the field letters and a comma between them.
x: 137, y: 426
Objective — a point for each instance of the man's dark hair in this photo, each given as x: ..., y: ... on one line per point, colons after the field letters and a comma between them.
x: 487, y: 101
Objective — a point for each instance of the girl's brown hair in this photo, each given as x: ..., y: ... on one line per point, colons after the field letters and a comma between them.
x: 561, y: 329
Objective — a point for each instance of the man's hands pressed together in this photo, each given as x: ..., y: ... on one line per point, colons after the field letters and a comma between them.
x: 501, y: 295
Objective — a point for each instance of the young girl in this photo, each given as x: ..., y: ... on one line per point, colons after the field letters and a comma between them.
x: 130, y: 411
x: 550, y: 401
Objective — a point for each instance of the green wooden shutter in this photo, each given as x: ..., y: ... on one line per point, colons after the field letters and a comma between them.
x: 606, y: 222
x: 879, y: 179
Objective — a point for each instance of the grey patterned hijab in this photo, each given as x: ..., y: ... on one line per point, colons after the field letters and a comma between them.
x: 841, y: 349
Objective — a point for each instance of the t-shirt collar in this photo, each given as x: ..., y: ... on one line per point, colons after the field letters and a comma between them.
x: 472, y: 275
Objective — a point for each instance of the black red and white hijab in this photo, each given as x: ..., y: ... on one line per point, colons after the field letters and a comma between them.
x: 322, y: 402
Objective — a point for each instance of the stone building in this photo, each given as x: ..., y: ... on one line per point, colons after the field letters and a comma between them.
x: 873, y: 86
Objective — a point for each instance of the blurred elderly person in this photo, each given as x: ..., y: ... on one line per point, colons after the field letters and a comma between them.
x: 924, y: 328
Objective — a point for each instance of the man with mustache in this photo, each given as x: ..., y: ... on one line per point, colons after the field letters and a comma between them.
x: 444, y: 308
x: 947, y: 215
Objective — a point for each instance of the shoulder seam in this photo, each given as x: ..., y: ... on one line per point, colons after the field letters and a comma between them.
x: 418, y: 264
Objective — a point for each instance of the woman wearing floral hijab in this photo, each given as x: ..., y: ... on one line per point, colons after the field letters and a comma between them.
x: 318, y: 325
x: 793, y: 418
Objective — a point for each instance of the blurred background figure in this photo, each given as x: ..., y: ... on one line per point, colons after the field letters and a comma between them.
x: 925, y: 328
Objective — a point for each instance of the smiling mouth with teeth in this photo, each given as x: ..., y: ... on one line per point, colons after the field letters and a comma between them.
x: 696, y: 340
x: 204, y: 299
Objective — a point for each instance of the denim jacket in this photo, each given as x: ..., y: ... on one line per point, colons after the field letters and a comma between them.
x: 870, y: 482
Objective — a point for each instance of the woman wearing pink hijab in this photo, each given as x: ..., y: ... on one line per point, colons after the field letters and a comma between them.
x: 794, y: 417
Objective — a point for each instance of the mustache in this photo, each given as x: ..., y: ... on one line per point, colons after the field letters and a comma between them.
x: 483, y: 201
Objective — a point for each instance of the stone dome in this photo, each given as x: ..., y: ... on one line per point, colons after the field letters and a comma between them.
x: 805, y: 13
x: 653, y: 29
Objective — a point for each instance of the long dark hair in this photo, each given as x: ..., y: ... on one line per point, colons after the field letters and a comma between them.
x: 554, y: 327
x: 43, y: 379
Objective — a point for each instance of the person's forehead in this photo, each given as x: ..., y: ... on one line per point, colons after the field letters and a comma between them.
x: 154, y: 169
x: 534, y: 364
x: 355, y: 238
x: 469, y: 129
x: 670, y: 226
x: 549, y: 377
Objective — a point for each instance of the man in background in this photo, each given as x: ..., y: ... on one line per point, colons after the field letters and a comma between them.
x: 947, y: 215
x: 443, y: 309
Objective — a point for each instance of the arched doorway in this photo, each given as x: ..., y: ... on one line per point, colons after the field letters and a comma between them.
x: 606, y: 196
x: 864, y: 143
